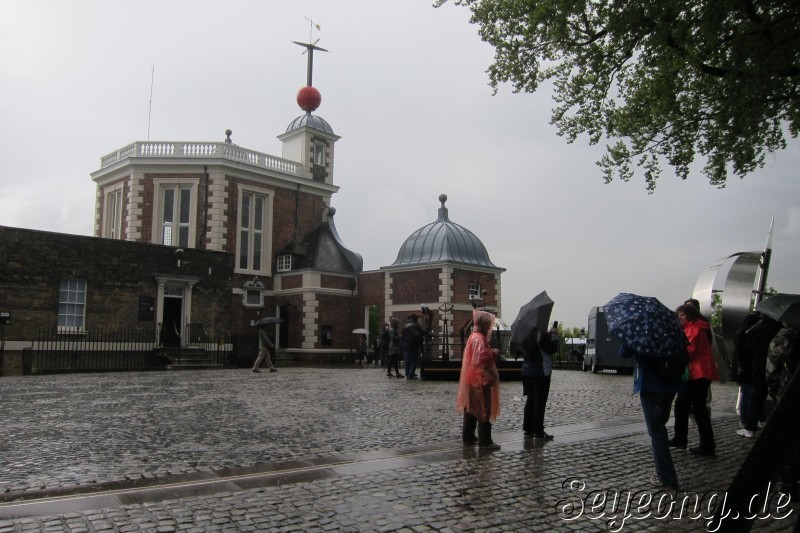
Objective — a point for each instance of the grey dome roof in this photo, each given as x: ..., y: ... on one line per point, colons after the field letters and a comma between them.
x: 311, y: 121
x: 443, y: 241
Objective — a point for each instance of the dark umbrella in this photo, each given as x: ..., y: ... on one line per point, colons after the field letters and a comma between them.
x: 268, y: 320
x: 533, y: 316
x: 645, y: 325
x: 782, y: 307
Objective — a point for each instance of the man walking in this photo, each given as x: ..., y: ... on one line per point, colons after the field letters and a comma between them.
x: 265, y: 348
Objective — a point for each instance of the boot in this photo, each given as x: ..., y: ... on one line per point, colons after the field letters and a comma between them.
x: 485, y: 437
x: 468, y: 429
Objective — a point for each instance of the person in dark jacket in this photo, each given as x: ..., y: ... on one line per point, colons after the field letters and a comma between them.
x: 751, y: 345
x: 656, y: 396
x: 537, y: 369
x: 395, y: 349
x: 383, y: 347
x: 413, y: 339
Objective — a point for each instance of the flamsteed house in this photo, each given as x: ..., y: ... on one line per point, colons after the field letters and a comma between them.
x: 196, y: 241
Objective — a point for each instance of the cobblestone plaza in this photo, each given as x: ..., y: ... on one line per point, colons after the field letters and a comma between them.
x: 331, y: 449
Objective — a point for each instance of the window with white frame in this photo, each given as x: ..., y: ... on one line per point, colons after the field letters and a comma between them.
x: 253, y: 235
x: 112, y: 221
x: 474, y: 290
x: 176, y: 204
x: 175, y: 212
x: 72, y: 305
x: 253, y: 298
x: 319, y: 153
x: 284, y: 263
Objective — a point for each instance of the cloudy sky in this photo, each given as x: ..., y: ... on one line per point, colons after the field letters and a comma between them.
x: 405, y: 87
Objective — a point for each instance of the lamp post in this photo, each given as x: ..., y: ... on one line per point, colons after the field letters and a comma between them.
x: 445, y: 309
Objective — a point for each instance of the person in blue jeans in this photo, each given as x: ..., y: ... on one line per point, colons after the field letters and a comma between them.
x: 656, y: 396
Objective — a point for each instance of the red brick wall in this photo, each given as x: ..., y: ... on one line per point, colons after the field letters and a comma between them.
x: 415, y: 286
x: 344, y: 314
x: 462, y: 279
x: 291, y: 282
x: 336, y: 282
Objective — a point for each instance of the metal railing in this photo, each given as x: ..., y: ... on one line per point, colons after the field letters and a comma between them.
x: 59, y: 350
x: 439, y: 347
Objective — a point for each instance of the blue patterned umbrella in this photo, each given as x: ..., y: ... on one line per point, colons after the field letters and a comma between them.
x: 645, y: 325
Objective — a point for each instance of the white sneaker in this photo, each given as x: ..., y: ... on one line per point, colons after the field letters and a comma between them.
x: 745, y: 433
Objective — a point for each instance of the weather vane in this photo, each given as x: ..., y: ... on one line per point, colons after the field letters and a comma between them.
x: 310, y: 47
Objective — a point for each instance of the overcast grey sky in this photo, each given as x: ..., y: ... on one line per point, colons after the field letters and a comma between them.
x: 405, y: 87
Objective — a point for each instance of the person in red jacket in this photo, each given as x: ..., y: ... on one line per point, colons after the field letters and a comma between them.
x: 702, y: 371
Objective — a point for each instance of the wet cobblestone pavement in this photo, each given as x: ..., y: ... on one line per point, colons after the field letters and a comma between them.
x: 359, y: 452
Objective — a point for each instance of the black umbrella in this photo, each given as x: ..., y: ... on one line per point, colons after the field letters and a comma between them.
x: 532, y: 317
x: 782, y: 307
x: 268, y: 320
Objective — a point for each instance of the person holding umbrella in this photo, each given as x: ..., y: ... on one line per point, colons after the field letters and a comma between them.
x: 537, y: 370
x: 531, y: 340
x: 656, y: 395
x: 653, y: 337
x: 479, y: 384
x: 265, y: 347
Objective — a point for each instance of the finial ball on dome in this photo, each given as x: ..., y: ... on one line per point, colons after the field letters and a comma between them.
x: 331, y: 211
x: 308, y: 98
x: 443, y: 198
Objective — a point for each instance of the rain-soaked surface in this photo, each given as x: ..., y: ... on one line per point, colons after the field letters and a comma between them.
x: 322, y: 449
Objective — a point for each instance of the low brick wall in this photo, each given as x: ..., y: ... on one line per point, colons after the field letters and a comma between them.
x: 12, y: 363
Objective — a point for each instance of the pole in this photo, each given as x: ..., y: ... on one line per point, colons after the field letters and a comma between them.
x: 150, y: 111
x: 763, y: 269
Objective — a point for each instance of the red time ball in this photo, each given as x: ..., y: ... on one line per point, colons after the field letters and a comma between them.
x: 308, y: 98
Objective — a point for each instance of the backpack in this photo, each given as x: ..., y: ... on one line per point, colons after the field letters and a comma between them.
x: 671, y: 370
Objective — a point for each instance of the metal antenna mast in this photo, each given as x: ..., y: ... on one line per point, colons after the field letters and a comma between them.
x: 150, y: 110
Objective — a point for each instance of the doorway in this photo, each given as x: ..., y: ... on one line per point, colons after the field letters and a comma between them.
x: 171, y: 325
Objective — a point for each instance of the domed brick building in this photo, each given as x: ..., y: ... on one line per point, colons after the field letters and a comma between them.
x: 443, y: 267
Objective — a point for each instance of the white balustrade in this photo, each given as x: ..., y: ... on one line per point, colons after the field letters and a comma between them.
x: 200, y: 151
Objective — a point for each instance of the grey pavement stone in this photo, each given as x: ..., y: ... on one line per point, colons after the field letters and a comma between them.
x: 79, y: 430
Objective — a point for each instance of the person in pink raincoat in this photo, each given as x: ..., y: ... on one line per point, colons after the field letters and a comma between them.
x: 479, y: 384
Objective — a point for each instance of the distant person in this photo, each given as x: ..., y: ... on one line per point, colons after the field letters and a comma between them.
x: 693, y: 396
x: 537, y: 369
x: 383, y: 346
x: 413, y: 339
x: 656, y: 395
x: 265, y: 348
x: 362, y: 349
x: 478, y: 396
x: 395, y: 349
x: 751, y: 345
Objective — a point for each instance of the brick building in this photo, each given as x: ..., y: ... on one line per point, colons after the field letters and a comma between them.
x: 253, y: 234
x: 443, y: 267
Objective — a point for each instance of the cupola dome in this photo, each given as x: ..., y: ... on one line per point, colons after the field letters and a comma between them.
x: 443, y: 241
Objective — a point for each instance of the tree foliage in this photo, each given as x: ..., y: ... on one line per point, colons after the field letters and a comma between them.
x: 656, y: 79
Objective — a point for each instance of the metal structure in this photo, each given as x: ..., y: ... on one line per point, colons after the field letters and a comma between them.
x: 742, y: 287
